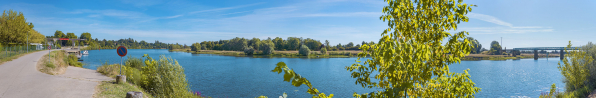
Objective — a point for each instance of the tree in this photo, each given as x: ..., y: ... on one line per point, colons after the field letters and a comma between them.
x: 324, y: 51
x: 14, y: 27
x: 304, y: 50
x: 87, y: 37
x: 249, y: 50
x: 410, y: 58
x: 70, y: 36
x: 495, y: 48
x: 279, y: 43
x: 574, y: 68
x: 293, y: 43
x: 350, y: 44
x: 327, y: 44
x: 267, y: 47
x: 477, y: 46
x: 195, y: 47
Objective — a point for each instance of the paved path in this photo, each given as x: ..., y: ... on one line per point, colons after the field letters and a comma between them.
x: 19, y: 78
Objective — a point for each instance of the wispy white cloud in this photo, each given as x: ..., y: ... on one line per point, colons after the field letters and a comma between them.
x: 225, y: 8
x: 508, y: 27
x: 176, y: 16
x: 347, y: 14
x: 489, y: 18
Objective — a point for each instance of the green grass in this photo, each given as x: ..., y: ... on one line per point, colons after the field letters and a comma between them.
x: 110, y: 89
x: 11, y: 55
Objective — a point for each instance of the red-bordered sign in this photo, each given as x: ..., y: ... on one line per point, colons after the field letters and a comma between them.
x: 121, y: 51
x: 49, y: 47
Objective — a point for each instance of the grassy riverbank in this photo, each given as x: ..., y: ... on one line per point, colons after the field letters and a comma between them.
x: 57, y: 65
x: 285, y: 54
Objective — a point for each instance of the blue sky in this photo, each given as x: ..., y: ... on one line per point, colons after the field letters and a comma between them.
x: 521, y: 23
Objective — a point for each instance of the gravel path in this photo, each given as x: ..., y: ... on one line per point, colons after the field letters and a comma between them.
x: 19, y: 78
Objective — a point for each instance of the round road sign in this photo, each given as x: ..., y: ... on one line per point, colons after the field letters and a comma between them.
x: 121, y: 51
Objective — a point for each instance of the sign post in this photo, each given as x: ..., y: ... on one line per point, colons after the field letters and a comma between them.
x: 121, y: 50
x: 50, y: 53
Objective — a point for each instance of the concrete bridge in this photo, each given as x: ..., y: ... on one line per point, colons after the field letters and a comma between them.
x: 562, y: 53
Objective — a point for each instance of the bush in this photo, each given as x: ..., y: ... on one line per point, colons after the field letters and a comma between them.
x: 324, y: 51
x: 72, y: 60
x: 249, y: 50
x: 50, y: 65
x: 304, y: 50
x: 165, y: 78
x: 134, y: 62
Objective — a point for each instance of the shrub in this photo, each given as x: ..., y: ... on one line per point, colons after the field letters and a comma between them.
x: 165, y: 78
x: 134, y: 62
x: 109, y: 70
x: 50, y: 65
x: 249, y: 50
x: 304, y: 50
x: 72, y: 60
x: 324, y: 51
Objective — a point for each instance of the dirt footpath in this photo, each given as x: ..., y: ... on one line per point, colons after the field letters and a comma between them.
x: 19, y: 78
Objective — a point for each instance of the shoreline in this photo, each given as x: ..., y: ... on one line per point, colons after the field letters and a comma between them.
x: 276, y: 54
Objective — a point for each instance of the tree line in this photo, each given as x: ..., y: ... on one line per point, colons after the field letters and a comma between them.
x: 279, y: 44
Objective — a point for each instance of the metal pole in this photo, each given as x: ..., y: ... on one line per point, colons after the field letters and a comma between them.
x: 120, y: 65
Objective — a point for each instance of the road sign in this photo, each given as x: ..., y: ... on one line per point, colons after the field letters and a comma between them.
x: 49, y: 47
x: 121, y: 51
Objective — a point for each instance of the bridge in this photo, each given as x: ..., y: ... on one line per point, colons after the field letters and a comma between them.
x: 562, y: 55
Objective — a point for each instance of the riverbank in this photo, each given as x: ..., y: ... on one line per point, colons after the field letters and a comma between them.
x: 475, y: 57
x: 283, y: 54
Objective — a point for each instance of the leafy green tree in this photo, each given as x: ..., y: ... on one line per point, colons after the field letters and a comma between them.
x: 495, y: 48
x: 324, y: 51
x: 293, y: 43
x: 304, y: 50
x: 14, y: 27
x: 279, y: 43
x: 410, y: 59
x: 327, y: 44
x: 87, y: 37
x: 70, y: 36
x: 249, y: 50
x: 267, y: 47
x: 574, y: 68
x: 195, y: 47
x: 477, y: 46
x: 350, y: 44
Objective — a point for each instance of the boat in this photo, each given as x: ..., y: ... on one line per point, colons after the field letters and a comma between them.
x: 85, y: 52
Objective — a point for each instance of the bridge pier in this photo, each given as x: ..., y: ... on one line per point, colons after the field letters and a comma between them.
x: 535, y: 54
x: 562, y: 55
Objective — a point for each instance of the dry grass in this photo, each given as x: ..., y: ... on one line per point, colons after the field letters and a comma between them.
x: 110, y: 89
x: 57, y: 66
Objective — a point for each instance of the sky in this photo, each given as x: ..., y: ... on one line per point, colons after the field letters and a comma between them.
x: 520, y: 23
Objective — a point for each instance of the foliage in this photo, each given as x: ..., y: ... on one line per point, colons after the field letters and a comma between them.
x: 304, y: 50
x: 164, y: 78
x: 574, y: 68
x: 14, y: 27
x: 109, y: 89
x: 551, y: 94
x: 410, y: 58
x: 134, y: 62
x: 477, y: 47
x: 297, y: 80
x: 324, y: 51
x: 590, y: 50
x: 195, y: 47
x: 495, y: 48
x: 249, y: 50
x: 267, y: 47
x: 72, y: 60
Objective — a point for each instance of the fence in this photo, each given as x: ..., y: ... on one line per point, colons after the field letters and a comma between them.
x: 7, y: 52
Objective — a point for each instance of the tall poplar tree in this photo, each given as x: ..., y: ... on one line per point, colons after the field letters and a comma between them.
x: 411, y: 59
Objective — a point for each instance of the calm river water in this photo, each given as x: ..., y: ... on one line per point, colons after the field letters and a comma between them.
x: 228, y: 76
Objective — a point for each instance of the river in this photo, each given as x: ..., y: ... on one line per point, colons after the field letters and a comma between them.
x: 229, y: 76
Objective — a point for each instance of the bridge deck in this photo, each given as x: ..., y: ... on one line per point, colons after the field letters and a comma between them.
x: 546, y: 48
